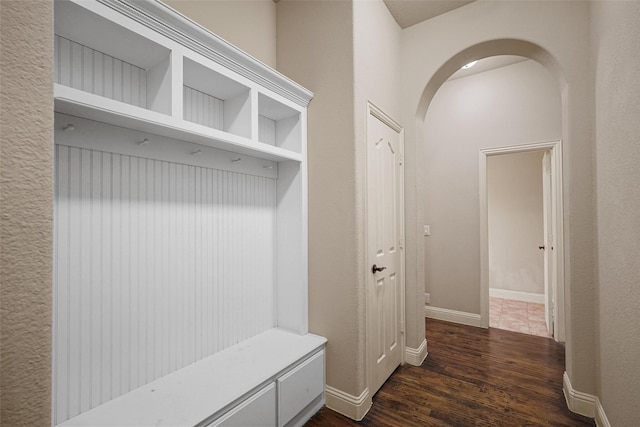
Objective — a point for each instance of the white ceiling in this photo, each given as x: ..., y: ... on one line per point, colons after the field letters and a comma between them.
x: 410, y: 12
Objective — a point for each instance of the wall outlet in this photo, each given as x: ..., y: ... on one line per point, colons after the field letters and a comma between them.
x: 427, y: 230
x: 427, y: 298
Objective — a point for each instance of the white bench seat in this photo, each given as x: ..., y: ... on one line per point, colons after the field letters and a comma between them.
x: 205, y: 390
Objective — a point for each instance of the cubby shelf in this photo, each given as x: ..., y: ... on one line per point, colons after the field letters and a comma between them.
x: 143, y: 80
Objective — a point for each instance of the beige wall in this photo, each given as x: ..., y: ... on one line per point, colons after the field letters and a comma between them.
x: 516, y: 229
x: 26, y: 120
x: 318, y: 45
x: 615, y: 53
x: 247, y: 24
x: 377, y: 80
x: 555, y: 34
x: 512, y: 105
x: 315, y: 48
x: 346, y: 53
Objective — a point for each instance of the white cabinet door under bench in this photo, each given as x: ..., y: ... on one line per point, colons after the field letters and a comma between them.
x: 258, y: 410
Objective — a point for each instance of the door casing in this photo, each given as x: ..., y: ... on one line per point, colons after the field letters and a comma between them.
x: 373, y: 112
x: 549, y: 225
x: 555, y: 149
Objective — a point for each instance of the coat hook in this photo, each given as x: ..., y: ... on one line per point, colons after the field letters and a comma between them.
x: 69, y: 127
x: 236, y: 160
x: 196, y: 153
x: 143, y: 142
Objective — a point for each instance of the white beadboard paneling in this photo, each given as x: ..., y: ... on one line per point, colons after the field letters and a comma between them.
x: 83, y: 68
x: 157, y: 265
x: 203, y: 108
x: 266, y: 130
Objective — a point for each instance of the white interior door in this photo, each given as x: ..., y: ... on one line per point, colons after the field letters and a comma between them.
x: 549, y: 219
x: 384, y: 219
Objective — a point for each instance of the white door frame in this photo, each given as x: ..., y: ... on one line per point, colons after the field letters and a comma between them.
x: 555, y: 148
x: 375, y: 112
x: 549, y: 230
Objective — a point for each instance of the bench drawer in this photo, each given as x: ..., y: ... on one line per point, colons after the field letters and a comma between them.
x: 299, y: 387
x: 259, y: 410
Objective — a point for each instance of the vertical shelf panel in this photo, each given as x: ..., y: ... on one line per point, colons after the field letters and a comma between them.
x: 291, y: 248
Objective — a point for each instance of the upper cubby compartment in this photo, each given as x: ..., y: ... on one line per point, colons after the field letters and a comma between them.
x: 279, y: 124
x: 97, y: 56
x: 216, y: 101
x: 138, y: 64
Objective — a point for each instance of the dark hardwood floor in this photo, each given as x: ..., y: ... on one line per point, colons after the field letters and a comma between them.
x: 472, y: 377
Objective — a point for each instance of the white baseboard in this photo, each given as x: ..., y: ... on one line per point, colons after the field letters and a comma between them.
x: 454, y: 316
x: 517, y: 295
x: 415, y: 356
x: 577, y: 401
x: 354, y: 407
x: 601, y: 417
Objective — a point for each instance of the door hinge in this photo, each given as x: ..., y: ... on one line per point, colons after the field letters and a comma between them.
x: 401, y: 160
x: 402, y: 327
x: 401, y: 243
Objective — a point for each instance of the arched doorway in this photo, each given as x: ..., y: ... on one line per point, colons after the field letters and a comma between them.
x: 475, y: 52
x: 500, y: 104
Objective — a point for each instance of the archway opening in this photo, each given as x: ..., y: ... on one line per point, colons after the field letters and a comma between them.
x: 469, y: 195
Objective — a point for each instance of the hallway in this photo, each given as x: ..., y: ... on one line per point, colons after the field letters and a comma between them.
x: 472, y: 377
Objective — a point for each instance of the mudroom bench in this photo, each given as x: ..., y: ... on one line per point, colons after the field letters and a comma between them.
x: 273, y: 379
x: 180, y: 239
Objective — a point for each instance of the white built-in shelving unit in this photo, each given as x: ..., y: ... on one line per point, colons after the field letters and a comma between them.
x: 180, y: 282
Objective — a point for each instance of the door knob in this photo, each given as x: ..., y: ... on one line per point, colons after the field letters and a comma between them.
x: 375, y: 269
x: 541, y: 247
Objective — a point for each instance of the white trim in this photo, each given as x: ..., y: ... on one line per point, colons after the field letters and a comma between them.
x: 577, y: 401
x: 374, y: 111
x: 584, y: 403
x: 516, y: 295
x: 556, y: 149
x: 179, y: 28
x: 354, y: 407
x: 461, y: 317
x: 415, y: 356
x: 601, y: 417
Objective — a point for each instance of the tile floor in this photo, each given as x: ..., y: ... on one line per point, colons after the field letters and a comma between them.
x: 517, y: 316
